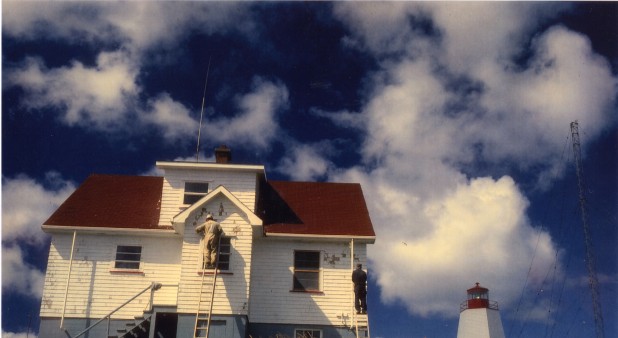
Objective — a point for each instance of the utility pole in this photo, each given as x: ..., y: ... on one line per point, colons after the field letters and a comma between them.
x: 593, y: 282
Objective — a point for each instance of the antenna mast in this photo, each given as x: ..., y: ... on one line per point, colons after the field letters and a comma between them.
x: 199, y: 131
x: 593, y: 282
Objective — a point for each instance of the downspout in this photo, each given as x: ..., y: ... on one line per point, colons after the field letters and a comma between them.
x: 66, y: 291
x: 352, y: 300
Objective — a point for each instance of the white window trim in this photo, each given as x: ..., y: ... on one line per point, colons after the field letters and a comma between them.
x: 113, y: 267
x: 320, y: 271
x: 184, y: 184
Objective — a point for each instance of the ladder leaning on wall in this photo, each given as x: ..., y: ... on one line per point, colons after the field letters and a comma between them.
x: 361, y: 323
x: 206, y: 299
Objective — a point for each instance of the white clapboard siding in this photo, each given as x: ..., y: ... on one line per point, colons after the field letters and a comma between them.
x: 232, y: 290
x: 95, y: 288
x: 241, y: 184
x: 272, y: 281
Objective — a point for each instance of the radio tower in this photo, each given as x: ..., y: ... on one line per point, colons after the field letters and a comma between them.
x: 593, y: 282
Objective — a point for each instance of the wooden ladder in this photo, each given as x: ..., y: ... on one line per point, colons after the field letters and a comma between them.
x: 361, y: 323
x: 204, y: 306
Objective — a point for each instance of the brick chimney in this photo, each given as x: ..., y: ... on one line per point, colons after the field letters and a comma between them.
x: 223, y: 154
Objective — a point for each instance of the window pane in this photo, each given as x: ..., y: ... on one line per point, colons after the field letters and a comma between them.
x: 196, y: 187
x: 128, y: 257
x: 225, y: 248
x: 131, y: 249
x: 307, y: 260
x: 190, y: 199
x: 306, y: 281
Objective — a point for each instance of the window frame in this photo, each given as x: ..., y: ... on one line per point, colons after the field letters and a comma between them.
x: 194, y: 195
x: 130, y: 262
x: 296, y: 284
x: 303, y: 333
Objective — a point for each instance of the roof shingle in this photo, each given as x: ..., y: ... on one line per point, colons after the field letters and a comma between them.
x: 314, y: 208
x: 112, y: 201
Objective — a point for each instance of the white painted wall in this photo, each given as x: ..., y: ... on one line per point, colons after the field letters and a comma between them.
x: 272, y: 281
x: 95, y: 287
x: 241, y: 184
x: 480, y: 323
x: 232, y: 291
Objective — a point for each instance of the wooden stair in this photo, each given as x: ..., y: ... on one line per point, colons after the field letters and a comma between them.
x: 139, y: 328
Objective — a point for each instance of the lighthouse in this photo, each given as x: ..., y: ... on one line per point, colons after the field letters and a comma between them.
x: 478, y: 316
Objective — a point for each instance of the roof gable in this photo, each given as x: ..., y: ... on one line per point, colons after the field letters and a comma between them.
x: 112, y: 201
x: 313, y: 208
x: 179, y: 220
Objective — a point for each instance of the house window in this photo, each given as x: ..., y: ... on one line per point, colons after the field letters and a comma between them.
x: 128, y: 257
x: 225, y: 250
x: 306, y: 271
x: 194, y: 191
x: 307, y: 333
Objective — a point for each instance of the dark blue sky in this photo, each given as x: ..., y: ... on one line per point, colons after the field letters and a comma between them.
x: 454, y: 117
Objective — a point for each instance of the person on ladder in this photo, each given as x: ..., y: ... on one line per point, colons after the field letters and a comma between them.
x: 359, y: 277
x: 211, y: 230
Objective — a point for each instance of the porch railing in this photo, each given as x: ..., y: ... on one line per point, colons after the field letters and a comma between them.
x: 152, y: 287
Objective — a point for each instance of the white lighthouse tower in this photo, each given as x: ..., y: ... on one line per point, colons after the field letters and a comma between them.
x: 479, y: 317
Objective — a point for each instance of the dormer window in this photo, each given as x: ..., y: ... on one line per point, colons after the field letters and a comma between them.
x: 194, y: 191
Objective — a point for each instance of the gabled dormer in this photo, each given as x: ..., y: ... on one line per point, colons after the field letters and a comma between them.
x: 186, y: 183
x: 195, y: 213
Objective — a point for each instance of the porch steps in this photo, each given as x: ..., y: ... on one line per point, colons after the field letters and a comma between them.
x: 139, y: 328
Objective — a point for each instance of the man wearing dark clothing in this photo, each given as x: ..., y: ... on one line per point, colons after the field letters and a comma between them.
x: 359, y: 277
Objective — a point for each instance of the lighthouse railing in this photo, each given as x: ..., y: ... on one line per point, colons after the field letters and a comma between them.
x: 490, y: 305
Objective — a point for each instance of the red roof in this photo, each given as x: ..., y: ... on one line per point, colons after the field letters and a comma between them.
x: 311, y: 208
x: 477, y: 289
x: 295, y: 208
x: 112, y: 201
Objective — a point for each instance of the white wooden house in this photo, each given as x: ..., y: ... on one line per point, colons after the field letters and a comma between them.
x: 284, y: 270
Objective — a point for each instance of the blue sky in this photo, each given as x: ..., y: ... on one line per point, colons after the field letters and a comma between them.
x: 454, y: 117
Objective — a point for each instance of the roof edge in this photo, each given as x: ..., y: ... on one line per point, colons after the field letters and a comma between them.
x: 47, y: 228
x: 369, y: 239
x: 209, y: 165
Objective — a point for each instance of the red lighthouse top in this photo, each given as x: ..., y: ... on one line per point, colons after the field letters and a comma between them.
x: 478, y: 298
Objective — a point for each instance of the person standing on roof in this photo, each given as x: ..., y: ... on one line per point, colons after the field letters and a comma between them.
x: 359, y: 277
x: 211, y: 230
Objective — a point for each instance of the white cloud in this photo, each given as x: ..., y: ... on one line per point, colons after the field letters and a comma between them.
x: 527, y: 113
x: 304, y: 164
x: 172, y: 117
x: 138, y: 25
x: 19, y: 276
x: 96, y: 96
x: 105, y: 96
x: 479, y: 233
x: 477, y: 35
x: 256, y: 123
x: 26, y: 204
x: 440, y: 229
x: 18, y: 335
